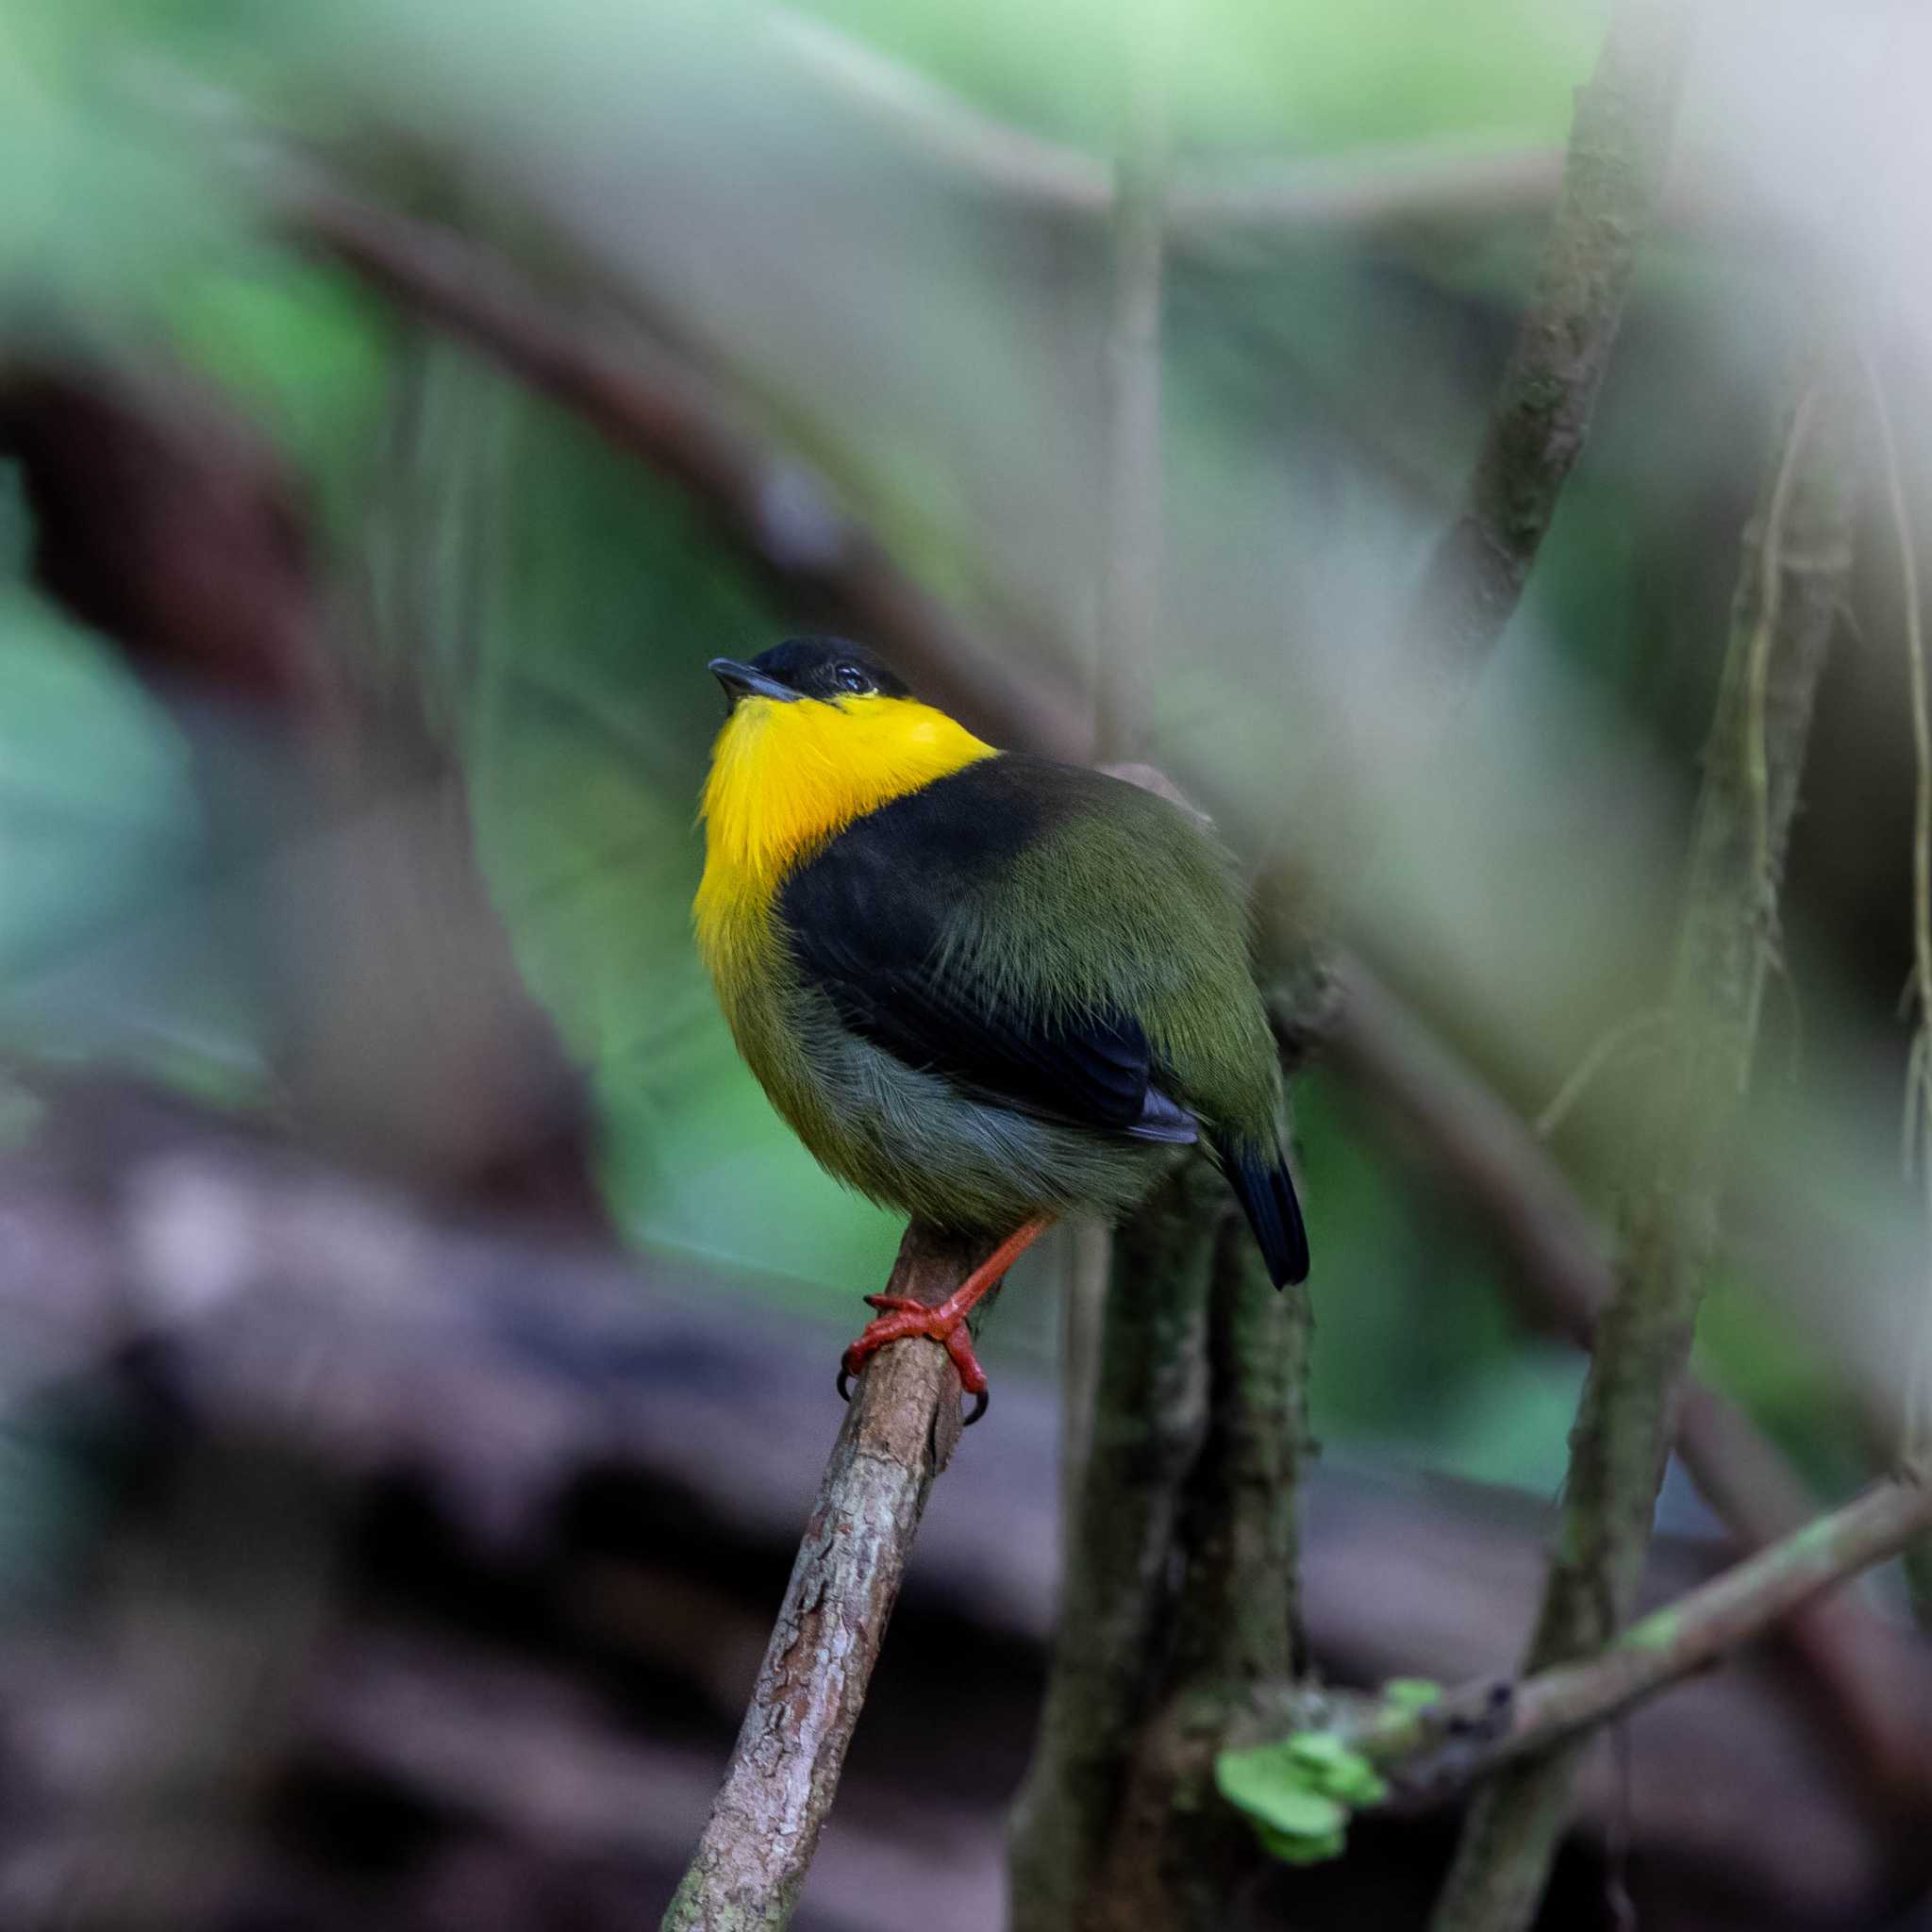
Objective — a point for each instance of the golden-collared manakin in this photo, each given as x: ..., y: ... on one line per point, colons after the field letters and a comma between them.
x: 983, y: 988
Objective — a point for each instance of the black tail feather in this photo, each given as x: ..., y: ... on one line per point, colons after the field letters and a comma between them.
x: 1265, y: 1188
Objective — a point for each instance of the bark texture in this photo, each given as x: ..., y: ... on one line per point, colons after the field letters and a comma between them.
x: 898, y: 1434
x: 1149, y: 1421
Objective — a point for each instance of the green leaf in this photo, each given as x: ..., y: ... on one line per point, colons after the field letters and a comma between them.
x: 1265, y: 1784
x: 1319, y: 1751
x: 1411, y: 1694
x: 1300, y: 1851
x: 1333, y: 1770
x: 1330, y: 1766
x: 1298, y: 1795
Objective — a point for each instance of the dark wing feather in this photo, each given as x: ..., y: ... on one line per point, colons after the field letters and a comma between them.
x: 869, y: 921
x: 1265, y: 1188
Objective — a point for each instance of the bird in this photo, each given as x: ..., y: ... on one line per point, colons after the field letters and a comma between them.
x: 985, y: 988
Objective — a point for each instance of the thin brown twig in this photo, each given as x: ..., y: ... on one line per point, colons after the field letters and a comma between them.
x: 1710, y: 1622
x: 1618, y: 1042
x: 1757, y: 673
x: 1436, y: 1753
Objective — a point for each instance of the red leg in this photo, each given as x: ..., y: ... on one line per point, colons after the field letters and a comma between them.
x: 945, y: 1324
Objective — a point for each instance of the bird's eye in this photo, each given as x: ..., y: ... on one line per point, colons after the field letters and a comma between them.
x: 850, y: 678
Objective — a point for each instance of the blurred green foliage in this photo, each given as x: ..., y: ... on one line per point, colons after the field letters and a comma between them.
x: 938, y: 358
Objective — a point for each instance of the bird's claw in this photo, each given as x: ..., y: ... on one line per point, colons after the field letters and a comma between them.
x: 900, y: 1318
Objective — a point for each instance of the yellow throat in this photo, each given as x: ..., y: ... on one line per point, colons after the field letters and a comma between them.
x: 788, y: 777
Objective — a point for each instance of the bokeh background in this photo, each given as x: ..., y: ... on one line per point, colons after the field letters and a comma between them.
x: 418, y: 1330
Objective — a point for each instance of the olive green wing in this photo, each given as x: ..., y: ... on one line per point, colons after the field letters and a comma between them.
x: 880, y: 921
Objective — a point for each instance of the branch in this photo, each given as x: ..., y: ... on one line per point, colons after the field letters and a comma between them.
x: 1131, y: 587
x: 1613, y: 175
x: 1411, y: 184
x: 1481, y: 1142
x: 344, y: 880
x: 1730, y: 1611
x: 1561, y: 1275
x: 1796, y: 561
x: 898, y: 1435
x: 1101, y: 1697
x: 1004, y: 159
x: 1175, y: 1858
x: 1406, y: 185
x: 1612, y: 180
x: 492, y: 1362
x: 1430, y: 1755
x: 1241, y: 1618
x: 1127, y: 575
x: 1150, y: 1417
x: 1190, y: 1465
x: 774, y: 510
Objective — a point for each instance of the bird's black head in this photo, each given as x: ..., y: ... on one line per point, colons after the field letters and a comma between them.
x: 824, y: 668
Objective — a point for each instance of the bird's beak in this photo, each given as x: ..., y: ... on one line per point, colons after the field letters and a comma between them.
x: 746, y: 681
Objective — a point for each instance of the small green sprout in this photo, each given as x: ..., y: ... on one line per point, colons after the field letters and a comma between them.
x: 1411, y: 1694
x: 1298, y: 1795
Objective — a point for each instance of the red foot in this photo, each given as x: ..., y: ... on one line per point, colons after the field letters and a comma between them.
x: 945, y: 1324
x: 900, y: 1318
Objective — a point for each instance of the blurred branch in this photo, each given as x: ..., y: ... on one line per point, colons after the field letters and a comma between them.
x: 1918, y: 1134
x: 1433, y: 1752
x: 398, y: 1026
x: 769, y: 506
x: 1174, y: 1858
x: 1613, y: 176
x: 1481, y: 1142
x: 1406, y: 185
x: 1612, y: 179
x: 1127, y: 573
x: 167, y: 523
x: 1188, y: 1467
x: 1796, y: 560
x: 1560, y: 1271
x: 1150, y: 1417
x: 898, y: 1435
x: 1242, y: 1617
x: 1084, y: 1849
x: 1132, y: 485
x: 1180, y: 1590
x: 1003, y: 159
x: 1419, y: 184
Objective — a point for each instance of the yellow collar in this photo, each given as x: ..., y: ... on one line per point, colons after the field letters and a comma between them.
x: 787, y: 777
